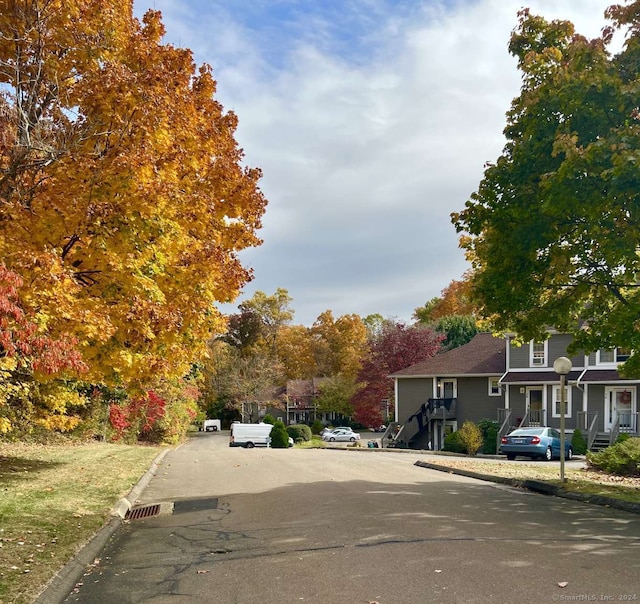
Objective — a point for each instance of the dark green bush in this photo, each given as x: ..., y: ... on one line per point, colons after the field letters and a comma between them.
x: 622, y: 437
x: 452, y: 443
x: 578, y: 443
x: 299, y: 432
x: 489, y: 428
x: 622, y: 458
x: 317, y: 426
x: 279, y: 435
x: 269, y: 419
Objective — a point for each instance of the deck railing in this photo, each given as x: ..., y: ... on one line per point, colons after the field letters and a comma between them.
x: 587, y: 423
x: 504, y: 415
x: 623, y: 422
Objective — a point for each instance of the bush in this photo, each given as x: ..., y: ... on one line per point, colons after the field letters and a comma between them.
x: 471, y: 437
x: 317, y: 426
x: 269, y: 419
x: 299, y: 432
x: 452, y: 443
x: 622, y: 458
x: 578, y: 443
x: 489, y: 429
x: 622, y: 437
x: 279, y: 435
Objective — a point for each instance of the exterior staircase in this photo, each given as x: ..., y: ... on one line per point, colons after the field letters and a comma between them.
x: 600, y: 442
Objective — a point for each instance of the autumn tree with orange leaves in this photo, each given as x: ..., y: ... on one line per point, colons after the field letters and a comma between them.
x: 123, y: 199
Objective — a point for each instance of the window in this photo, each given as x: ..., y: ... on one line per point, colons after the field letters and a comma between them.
x: 613, y: 355
x: 447, y: 388
x: 494, y: 387
x: 606, y: 356
x: 556, y: 401
x: 538, y: 354
x: 622, y: 354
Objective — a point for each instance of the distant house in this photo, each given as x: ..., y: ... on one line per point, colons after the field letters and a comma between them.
x: 301, y: 402
x: 494, y: 378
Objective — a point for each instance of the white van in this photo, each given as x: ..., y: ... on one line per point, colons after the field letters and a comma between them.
x: 211, y: 425
x: 250, y: 435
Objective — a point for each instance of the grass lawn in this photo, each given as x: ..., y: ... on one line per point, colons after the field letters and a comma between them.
x: 578, y: 480
x: 54, y: 499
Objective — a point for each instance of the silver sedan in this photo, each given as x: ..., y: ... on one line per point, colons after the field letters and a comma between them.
x: 341, y: 436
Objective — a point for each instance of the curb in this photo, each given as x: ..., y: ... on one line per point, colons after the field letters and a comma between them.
x: 538, y: 486
x: 126, y: 503
x: 62, y: 584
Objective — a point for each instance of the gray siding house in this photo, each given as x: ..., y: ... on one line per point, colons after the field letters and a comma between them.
x: 436, y: 396
x: 493, y: 378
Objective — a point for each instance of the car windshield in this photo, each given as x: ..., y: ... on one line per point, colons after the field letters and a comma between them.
x: 527, y: 432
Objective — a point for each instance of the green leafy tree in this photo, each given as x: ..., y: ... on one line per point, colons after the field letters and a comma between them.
x: 335, y: 396
x: 458, y: 329
x: 553, y: 229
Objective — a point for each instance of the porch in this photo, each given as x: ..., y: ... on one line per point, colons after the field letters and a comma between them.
x: 587, y: 422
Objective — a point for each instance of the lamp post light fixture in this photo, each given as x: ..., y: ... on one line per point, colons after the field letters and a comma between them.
x: 562, y: 366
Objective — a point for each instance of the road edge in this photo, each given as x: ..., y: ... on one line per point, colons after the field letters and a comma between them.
x: 62, y: 583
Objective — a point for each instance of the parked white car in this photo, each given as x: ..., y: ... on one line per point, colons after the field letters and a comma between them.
x: 340, y: 435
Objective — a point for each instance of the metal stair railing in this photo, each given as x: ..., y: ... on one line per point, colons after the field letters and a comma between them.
x: 525, y: 420
x: 504, y: 415
x: 390, y: 433
x: 615, y: 430
x: 588, y: 427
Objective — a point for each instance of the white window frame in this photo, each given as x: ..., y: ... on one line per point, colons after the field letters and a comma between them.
x: 615, y: 361
x: 533, y: 357
x: 494, y: 386
x: 555, y: 401
x: 439, y: 385
x: 599, y: 360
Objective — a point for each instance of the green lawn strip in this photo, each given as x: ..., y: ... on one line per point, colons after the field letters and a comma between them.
x: 54, y: 499
x: 578, y: 481
x: 586, y: 487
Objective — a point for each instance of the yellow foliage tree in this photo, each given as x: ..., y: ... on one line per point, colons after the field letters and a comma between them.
x: 123, y: 201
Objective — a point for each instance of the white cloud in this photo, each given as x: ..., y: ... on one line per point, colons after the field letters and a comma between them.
x: 365, y: 153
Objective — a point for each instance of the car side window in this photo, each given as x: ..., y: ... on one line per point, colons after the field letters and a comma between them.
x: 555, y: 434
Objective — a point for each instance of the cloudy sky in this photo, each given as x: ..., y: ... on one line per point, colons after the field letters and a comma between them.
x: 371, y: 120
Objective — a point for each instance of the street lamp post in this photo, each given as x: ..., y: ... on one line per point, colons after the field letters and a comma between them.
x: 562, y: 366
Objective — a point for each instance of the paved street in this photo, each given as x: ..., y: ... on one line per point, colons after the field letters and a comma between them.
x: 325, y: 526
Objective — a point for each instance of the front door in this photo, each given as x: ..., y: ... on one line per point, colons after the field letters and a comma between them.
x: 621, y: 403
x: 535, y: 405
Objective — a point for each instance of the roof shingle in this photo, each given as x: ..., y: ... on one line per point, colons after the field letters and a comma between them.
x: 483, y: 355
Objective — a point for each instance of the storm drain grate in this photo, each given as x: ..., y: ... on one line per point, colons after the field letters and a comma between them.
x: 145, y: 511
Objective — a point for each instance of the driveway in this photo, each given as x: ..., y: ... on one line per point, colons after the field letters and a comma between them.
x: 324, y: 526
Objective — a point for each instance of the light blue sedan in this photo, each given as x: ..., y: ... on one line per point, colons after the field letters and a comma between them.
x: 534, y: 443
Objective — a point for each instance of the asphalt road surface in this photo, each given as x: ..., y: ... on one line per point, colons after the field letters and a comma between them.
x: 358, y: 526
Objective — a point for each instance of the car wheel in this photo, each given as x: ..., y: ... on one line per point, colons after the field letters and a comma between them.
x: 250, y: 445
x: 510, y: 456
x: 215, y: 428
x: 548, y: 454
x: 353, y: 439
x: 332, y: 439
x: 570, y: 454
